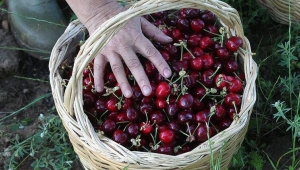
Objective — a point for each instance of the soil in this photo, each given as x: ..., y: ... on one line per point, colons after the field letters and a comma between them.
x: 17, y: 89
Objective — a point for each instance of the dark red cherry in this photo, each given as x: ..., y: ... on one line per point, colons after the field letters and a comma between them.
x: 223, y: 53
x: 202, y: 133
x: 166, y: 136
x: 172, y: 109
x: 146, y: 128
x: 231, y: 66
x: 89, y: 98
x: 157, y: 117
x: 185, y: 101
x: 206, y: 43
x: 208, y: 61
x: 184, y: 117
x: 233, y: 43
x: 132, y: 114
x: 208, y: 16
x: 202, y: 116
x: 232, y: 99
x: 133, y: 130
x: 108, y: 126
x: 193, y: 41
x: 165, y: 149
x: 160, y: 103
x: 183, y: 24
x: 196, y: 64
x: 235, y: 86
x: 198, y: 52
x: 207, y: 78
x: 197, y: 25
x: 120, y: 137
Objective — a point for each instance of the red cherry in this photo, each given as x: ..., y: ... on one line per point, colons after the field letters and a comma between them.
x: 191, y: 13
x: 197, y: 25
x: 146, y: 128
x: 198, y: 52
x: 177, y: 34
x: 160, y: 103
x: 223, y: 53
x: 212, y: 31
x: 185, y: 101
x: 120, y: 137
x: 89, y: 98
x: 202, y: 132
x: 234, y: 43
x: 208, y: 61
x: 165, y: 149
x: 232, y: 99
x: 206, y: 43
x: 108, y: 126
x: 202, y: 116
x: 183, y: 24
x: 172, y: 109
x: 166, y: 136
x: 235, y: 86
x: 184, y: 117
x: 196, y: 64
x: 165, y: 55
x: 111, y: 104
x: 225, y: 123
x: 157, y: 117
x: 132, y: 114
x: 100, y: 105
x: 231, y: 66
x: 163, y: 90
x: 207, y: 78
x: 200, y: 92
x: 219, y: 112
x: 208, y: 16
x: 121, y: 117
x: 150, y: 69
x: 193, y: 41
x: 173, y: 125
x: 146, y: 108
x: 221, y: 81
x: 110, y: 77
x: 133, y: 130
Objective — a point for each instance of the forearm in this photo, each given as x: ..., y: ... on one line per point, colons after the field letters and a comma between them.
x: 93, y: 13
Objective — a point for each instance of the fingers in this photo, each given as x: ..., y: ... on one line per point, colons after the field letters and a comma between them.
x: 137, y: 70
x: 118, y: 70
x: 99, y: 66
x: 153, y: 32
x: 146, y: 48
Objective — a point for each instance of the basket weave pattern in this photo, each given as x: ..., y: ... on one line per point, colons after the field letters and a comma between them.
x: 280, y: 10
x: 98, y: 152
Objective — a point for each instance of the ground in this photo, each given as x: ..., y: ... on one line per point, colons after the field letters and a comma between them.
x: 27, y: 79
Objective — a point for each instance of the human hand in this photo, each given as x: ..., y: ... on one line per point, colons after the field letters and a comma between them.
x: 123, y: 46
x: 131, y: 39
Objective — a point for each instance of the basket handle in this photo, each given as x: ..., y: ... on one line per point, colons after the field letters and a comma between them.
x: 227, y: 16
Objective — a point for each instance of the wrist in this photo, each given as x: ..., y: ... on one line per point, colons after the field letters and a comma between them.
x: 93, y: 13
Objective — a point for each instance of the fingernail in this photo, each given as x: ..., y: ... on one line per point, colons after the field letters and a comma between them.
x: 146, y: 90
x: 169, y: 38
x: 167, y: 73
x: 127, y: 93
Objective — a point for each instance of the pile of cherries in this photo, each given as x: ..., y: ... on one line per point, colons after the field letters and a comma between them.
x: 202, y: 97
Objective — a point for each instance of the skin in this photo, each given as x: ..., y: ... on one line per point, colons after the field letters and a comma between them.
x: 131, y: 39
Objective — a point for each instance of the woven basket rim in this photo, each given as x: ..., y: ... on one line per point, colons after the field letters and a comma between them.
x: 80, y: 128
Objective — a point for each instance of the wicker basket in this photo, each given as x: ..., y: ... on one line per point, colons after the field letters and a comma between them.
x: 98, y: 152
x: 280, y: 10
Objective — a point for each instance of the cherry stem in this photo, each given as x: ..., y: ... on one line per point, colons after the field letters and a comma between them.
x: 238, y: 77
x: 235, y: 109
x: 184, y: 45
x: 91, y: 71
x: 103, y: 114
x: 214, y: 72
x: 181, y: 74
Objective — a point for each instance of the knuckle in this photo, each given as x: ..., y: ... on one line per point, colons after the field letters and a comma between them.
x: 98, y: 67
x: 151, y: 52
x: 133, y: 63
x: 116, y: 68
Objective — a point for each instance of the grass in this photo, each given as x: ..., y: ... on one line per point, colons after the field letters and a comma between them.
x: 276, y: 112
